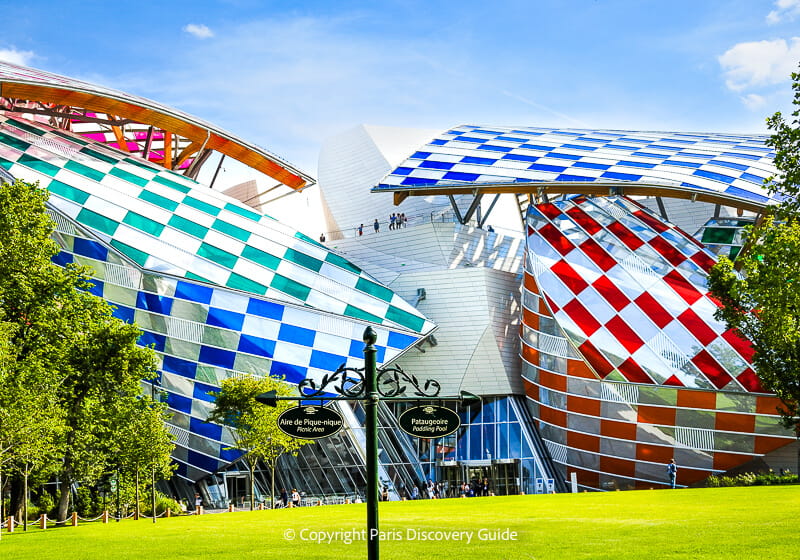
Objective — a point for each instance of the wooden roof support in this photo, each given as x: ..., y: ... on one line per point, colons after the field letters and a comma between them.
x: 193, y: 130
x: 167, y: 163
x: 119, y: 134
x: 541, y: 191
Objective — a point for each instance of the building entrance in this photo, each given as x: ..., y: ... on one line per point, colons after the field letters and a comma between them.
x: 502, y: 475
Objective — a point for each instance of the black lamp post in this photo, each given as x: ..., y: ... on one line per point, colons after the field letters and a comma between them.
x: 369, y: 385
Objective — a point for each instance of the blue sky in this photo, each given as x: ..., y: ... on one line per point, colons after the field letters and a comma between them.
x: 287, y: 75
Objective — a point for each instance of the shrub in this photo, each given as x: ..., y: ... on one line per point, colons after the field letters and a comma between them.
x: 162, y: 503
x: 46, y: 504
x: 752, y: 479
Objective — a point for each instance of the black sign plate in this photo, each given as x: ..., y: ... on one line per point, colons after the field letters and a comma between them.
x: 310, y: 422
x: 429, y: 421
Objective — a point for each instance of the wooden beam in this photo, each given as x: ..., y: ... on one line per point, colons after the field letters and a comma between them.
x: 167, y: 150
x: 400, y: 197
x: 178, y: 124
x: 587, y: 188
x: 120, y: 136
x: 187, y: 152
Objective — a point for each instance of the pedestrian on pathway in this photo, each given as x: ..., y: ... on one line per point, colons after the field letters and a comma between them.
x: 672, y: 472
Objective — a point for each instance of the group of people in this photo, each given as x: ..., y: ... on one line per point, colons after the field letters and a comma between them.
x: 284, y: 500
x: 437, y: 490
x: 397, y: 221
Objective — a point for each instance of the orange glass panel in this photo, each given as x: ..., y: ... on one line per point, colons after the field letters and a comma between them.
x: 620, y: 467
x: 530, y: 284
x: 697, y: 399
x: 654, y: 453
x: 730, y: 422
x: 725, y: 461
x: 553, y: 381
x: 766, y: 444
x: 657, y: 415
x: 615, y: 429
x: 530, y: 355
x: 579, y: 368
x: 530, y: 318
x: 767, y: 405
x: 553, y: 416
x: 583, y: 405
x: 583, y: 441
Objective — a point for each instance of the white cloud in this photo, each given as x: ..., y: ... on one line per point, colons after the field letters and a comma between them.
x: 753, y: 101
x: 199, y: 30
x: 760, y: 63
x: 23, y: 58
x: 785, y: 10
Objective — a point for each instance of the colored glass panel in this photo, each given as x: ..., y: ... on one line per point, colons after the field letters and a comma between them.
x: 200, y: 205
x: 290, y: 287
x: 624, y: 334
x: 232, y: 230
x: 128, y: 176
x: 217, y: 255
x: 84, y: 170
x: 303, y: 260
x: 374, y: 289
x: 188, y: 226
x: 67, y: 191
x: 261, y: 257
x: 158, y: 200
x: 144, y: 224
x: 97, y: 221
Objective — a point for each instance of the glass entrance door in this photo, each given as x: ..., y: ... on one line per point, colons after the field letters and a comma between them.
x: 505, y: 478
x: 451, y: 478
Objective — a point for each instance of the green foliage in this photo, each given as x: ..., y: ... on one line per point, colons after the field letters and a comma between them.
x: 760, y: 294
x: 697, y: 524
x: 751, y: 479
x: 84, y: 502
x: 786, y: 143
x: 255, y: 425
x: 162, y: 504
x: 46, y: 504
x: 70, y: 372
x: 763, y: 302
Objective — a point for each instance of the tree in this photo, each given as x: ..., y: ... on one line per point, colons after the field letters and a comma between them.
x: 255, y: 425
x: 143, y: 446
x: 72, y: 365
x: 760, y: 293
x: 101, y: 389
x: 30, y: 290
x: 786, y: 143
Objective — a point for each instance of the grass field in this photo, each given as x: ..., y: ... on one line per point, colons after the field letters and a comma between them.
x: 741, y: 523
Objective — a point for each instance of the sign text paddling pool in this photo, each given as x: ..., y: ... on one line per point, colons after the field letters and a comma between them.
x: 429, y: 421
x: 310, y: 422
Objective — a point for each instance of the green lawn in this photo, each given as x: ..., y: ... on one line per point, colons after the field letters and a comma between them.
x: 742, y: 523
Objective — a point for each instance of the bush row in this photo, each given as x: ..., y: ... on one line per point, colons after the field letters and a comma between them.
x: 752, y: 479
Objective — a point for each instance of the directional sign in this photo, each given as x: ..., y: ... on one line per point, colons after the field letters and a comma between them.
x: 429, y: 421
x: 310, y: 422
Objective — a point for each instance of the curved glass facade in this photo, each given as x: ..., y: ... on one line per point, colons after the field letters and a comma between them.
x: 218, y: 289
x: 622, y: 356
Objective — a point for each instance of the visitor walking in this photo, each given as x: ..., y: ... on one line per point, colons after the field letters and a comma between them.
x: 672, y: 472
x: 376, y: 225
